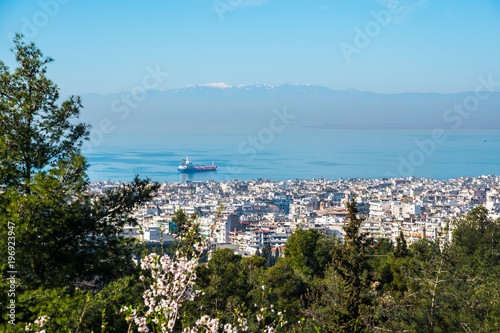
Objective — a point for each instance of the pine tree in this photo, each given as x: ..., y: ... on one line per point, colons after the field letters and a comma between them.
x: 401, y: 247
x: 64, y: 237
x: 349, y: 263
x: 267, y: 254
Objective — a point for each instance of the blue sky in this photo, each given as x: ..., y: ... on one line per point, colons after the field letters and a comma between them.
x: 107, y: 46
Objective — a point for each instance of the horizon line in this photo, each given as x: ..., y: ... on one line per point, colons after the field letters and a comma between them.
x: 224, y: 85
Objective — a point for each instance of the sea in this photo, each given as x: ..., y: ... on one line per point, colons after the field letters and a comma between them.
x: 296, y: 153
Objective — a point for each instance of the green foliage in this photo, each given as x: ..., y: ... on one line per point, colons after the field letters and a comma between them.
x: 350, y: 264
x: 383, y: 246
x: 268, y: 255
x: 446, y: 288
x: 187, y: 230
x: 65, y: 239
x: 224, y: 281
x: 70, y: 310
x: 256, y: 261
x: 401, y: 247
x: 105, y: 306
x: 309, y: 252
x: 35, y: 133
x: 285, y: 285
x: 477, y: 234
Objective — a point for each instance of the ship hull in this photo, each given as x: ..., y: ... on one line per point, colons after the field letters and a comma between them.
x: 196, y: 170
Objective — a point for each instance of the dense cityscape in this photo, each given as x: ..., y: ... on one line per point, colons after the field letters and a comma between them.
x: 257, y: 212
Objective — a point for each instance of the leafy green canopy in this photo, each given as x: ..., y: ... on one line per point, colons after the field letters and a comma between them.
x: 309, y: 251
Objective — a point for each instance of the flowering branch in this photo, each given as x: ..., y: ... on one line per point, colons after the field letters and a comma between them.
x: 173, y: 280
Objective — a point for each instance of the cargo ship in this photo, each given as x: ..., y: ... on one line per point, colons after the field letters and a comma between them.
x: 188, y: 167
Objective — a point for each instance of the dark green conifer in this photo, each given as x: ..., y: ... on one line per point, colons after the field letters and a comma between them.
x: 401, y: 247
x: 349, y: 261
x: 64, y: 236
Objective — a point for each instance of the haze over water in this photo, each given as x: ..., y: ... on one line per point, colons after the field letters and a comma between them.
x: 299, y: 153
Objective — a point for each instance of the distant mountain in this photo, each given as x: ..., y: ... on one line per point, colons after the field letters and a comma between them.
x: 223, y: 108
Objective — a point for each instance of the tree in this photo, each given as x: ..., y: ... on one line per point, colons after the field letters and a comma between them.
x: 309, y: 251
x: 350, y: 264
x: 36, y: 133
x: 401, y: 247
x: 284, y: 287
x: 383, y: 246
x: 224, y: 281
x: 64, y: 236
x: 445, y: 290
x: 187, y: 230
x: 267, y: 254
x: 476, y: 233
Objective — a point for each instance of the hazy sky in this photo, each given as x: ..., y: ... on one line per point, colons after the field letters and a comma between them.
x: 384, y: 46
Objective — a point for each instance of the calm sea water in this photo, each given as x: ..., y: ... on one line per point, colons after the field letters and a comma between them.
x: 302, y: 153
